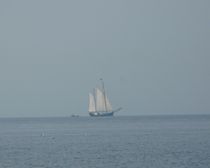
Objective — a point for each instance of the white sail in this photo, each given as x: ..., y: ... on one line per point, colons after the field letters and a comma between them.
x: 92, y: 106
x: 108, y: 105
x: 100, y: 101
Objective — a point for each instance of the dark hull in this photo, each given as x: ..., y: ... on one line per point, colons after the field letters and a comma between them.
x: 101, y: 114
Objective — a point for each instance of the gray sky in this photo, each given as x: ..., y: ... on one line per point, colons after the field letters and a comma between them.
x: 153, y: 55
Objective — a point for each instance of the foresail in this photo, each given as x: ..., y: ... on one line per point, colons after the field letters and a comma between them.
x: 92, y: 106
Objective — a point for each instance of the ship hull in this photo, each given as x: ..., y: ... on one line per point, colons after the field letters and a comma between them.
x: 101, y: 114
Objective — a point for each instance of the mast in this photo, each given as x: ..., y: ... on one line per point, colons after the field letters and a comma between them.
x: 104, y: 93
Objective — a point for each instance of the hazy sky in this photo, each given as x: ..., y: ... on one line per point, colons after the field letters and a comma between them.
x: 153, y: 55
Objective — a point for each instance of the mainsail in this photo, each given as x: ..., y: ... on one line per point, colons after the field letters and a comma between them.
x: 100, y: 100
x: 108, y: 105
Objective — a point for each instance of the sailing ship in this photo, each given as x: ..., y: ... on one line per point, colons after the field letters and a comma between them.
x: 99, y: 104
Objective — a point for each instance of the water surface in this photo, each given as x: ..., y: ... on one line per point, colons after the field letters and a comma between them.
x: 110, y: 142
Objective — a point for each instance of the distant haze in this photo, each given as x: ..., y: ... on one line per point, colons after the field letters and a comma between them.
x: 153, y: 55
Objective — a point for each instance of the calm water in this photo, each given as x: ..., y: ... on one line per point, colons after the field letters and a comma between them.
x: 129, y: 142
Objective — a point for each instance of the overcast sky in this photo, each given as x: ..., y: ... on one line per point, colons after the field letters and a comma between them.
x: 153, y: 55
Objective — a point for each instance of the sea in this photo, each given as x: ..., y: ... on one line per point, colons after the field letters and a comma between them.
x: 164, y: 141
